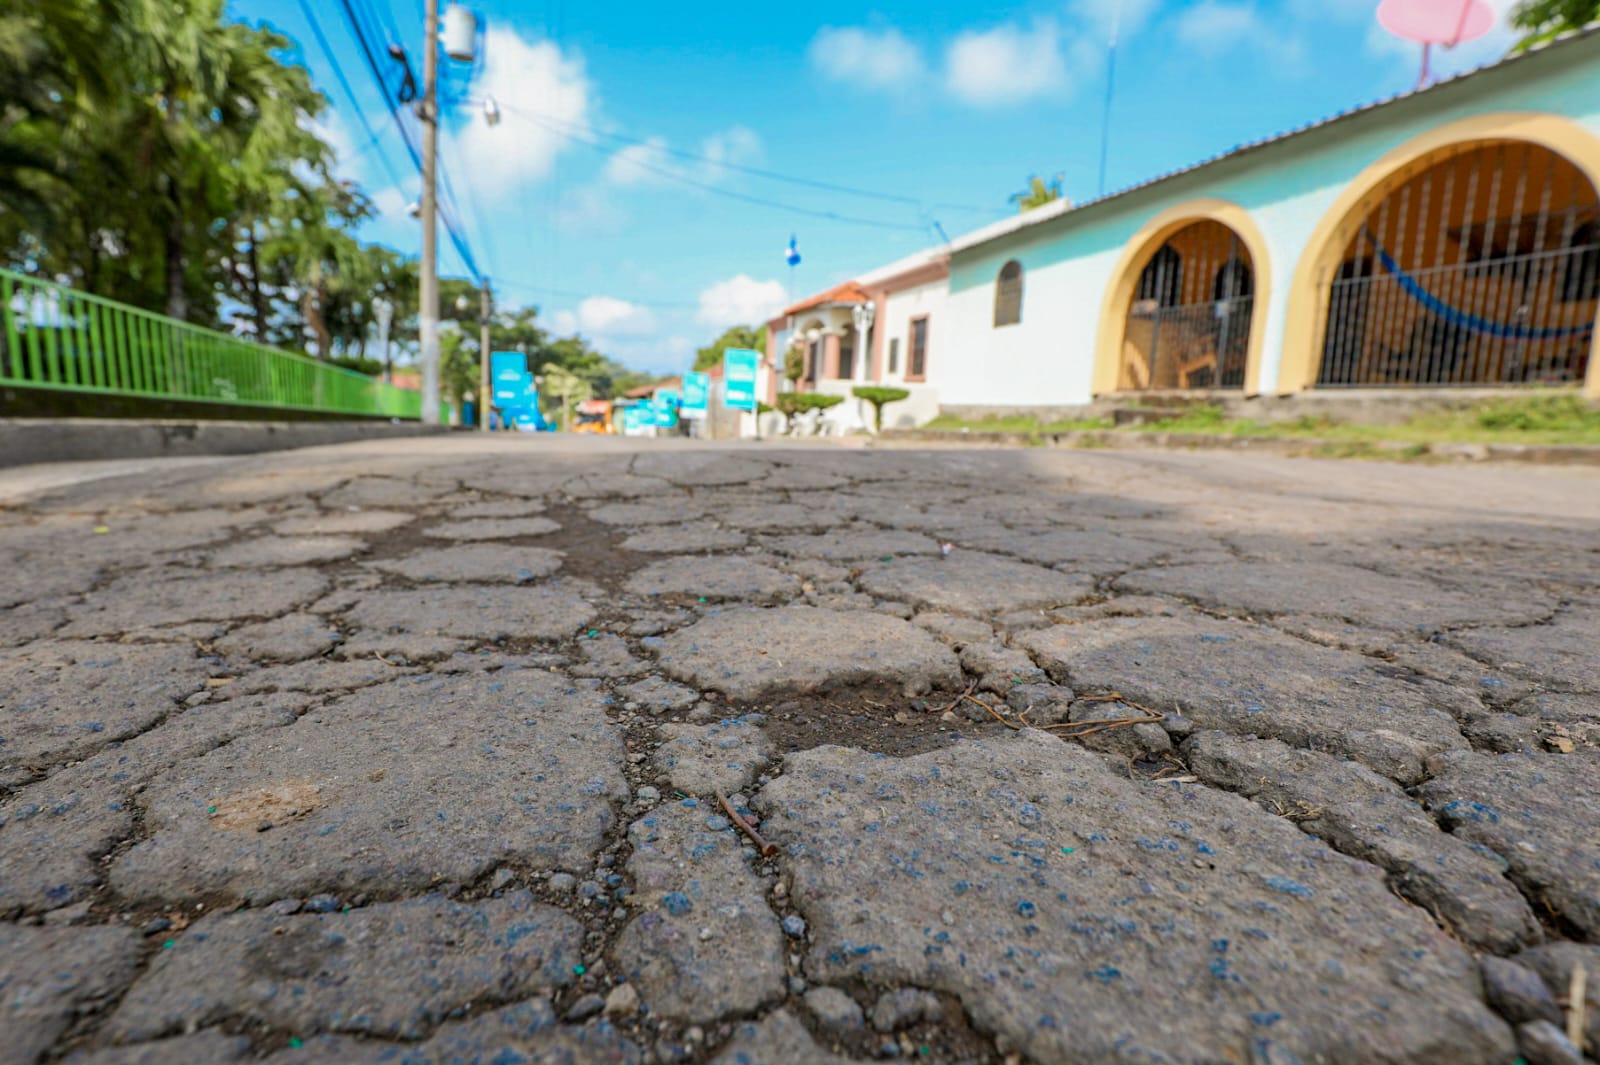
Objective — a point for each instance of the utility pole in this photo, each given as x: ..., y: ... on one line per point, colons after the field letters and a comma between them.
x: 483, y: 360
x: 428, y: 112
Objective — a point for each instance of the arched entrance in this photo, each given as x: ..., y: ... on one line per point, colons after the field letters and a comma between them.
x: 1188, y: 322
x: 1477, y: 265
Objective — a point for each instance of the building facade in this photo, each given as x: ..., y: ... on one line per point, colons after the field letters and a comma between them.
x: 1445, y: 238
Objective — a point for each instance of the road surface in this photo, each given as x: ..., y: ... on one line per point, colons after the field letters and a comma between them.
x: 432, y: 750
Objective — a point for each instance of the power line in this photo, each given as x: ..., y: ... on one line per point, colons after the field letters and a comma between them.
x: 717, y: 190
x: 565, y: 293
x: 344, y: 83
x: 578, y: 131
x: 456, y: 238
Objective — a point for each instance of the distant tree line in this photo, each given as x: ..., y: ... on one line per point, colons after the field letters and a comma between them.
x: 158, y: 153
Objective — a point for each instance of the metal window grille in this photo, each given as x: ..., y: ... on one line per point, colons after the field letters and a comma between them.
x: 919, y: 349
x: 894, y: 354
x: 1189, y: 325
x: 847, y: 358
x: 1008, y: 295
x: 1481, y: 267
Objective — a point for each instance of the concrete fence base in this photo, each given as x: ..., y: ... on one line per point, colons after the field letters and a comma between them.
x: 24, y: 441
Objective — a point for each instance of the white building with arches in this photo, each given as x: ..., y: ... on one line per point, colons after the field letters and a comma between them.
x: 1446, y: 238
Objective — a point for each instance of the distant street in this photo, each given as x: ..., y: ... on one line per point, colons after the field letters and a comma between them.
x: 437, y: 750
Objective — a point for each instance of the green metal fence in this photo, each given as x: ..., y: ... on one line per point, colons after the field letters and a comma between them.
x: 58, y: 338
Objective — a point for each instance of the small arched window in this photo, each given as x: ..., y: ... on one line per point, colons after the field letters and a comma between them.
x: 1008, y: 295
x: 1162, y: 279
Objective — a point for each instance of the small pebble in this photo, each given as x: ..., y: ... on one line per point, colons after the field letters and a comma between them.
x: 284, y: 907
x: 562, y: 883
x: 794, y: 927
x: 623, y: 1000
x: 585, y: 1007
x: 322, y: 904
x: 161, y: 924
x: 647, y: 794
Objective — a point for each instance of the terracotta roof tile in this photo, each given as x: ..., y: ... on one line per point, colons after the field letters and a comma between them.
x: 849, y: 292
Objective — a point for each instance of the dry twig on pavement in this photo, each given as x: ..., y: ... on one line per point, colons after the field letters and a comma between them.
x: 767, y: 849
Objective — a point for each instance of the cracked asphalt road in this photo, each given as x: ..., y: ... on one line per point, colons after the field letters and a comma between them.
x: 416, y: 751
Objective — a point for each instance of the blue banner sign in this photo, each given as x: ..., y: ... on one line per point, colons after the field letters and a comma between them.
x: 739, y: 366
x: 696, y: 394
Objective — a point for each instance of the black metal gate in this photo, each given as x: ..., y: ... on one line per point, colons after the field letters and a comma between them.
x: 1482, y: 269
x: 1189, y: 326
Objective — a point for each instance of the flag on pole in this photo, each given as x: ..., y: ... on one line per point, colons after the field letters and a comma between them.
x: 792, y: 255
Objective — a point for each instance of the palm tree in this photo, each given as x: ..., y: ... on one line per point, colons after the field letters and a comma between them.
x: 1038, y: 193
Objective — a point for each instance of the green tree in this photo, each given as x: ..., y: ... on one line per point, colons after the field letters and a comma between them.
x: 739, y: 336
x: 794, y: 364
x: 879, y: 396
x: 1541, y: 20
x: 160, y: 153
x: 1038, y: 193
x: 458, y: 369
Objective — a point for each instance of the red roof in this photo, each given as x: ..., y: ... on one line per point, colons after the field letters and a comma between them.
x: 849, y: 292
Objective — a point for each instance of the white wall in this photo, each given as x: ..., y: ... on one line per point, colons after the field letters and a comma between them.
x: 894, y: 318
x: 1045, y: 360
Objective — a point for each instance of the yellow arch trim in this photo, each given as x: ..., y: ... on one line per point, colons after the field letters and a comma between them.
x: 1306, y: 320
x: 1137, y: 251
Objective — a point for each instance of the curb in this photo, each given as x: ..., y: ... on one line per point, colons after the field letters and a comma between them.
x: 26, y: 441
x: 1301, y: 447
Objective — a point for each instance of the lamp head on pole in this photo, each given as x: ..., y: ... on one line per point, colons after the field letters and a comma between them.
x: 864, y: 313
x: 460, y: 34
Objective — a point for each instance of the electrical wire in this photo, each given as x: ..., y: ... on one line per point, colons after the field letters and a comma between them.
x: 717, y: 190
x: 567, y: 293
x: 344, y: 83
x: 577, y: 131
x: 451, y: 228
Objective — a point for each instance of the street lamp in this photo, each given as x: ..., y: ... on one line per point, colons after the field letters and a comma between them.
x: 383, y: 311
x: 863, y: 314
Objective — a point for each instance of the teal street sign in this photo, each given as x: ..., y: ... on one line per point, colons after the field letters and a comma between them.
x: 739, y: 367
x: 664, y: 410
x: 696, y: 394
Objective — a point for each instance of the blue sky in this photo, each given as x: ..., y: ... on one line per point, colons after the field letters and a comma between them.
x: 605, y: 195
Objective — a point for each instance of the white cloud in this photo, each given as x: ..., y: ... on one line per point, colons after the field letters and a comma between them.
x: 740, y: 300
x: 653, y: 160
x: 606, y: 316
x: 736, y: 145
x: 1213, y: 27
x: 585, y: 210
x: 331, y: 128
x: 391, y: 203
x: 1097, y: 17
x: 866, y: 57
x: 1007, y: 64
x: 638, y: 162
x: 533, y: 75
